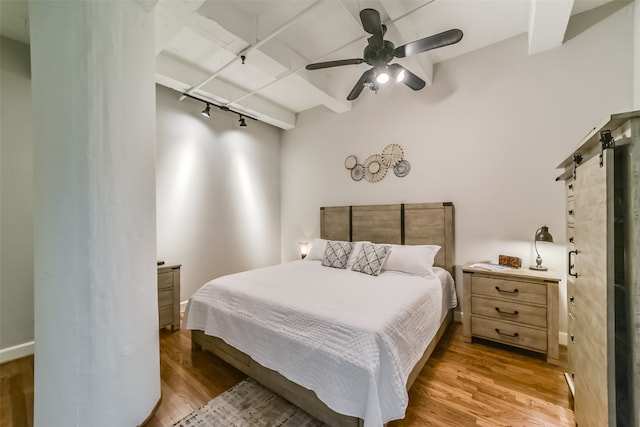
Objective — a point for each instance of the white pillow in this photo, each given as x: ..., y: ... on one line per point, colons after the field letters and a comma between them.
x: 317, y: 250
x: 412, y: 259
x: 355, y: 253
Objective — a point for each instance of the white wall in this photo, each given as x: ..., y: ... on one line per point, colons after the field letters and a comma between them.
x: 486, y: 136
x: 16, y: 203
x: 218, y: 191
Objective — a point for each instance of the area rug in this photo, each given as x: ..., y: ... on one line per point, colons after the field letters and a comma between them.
x: 248, y: 404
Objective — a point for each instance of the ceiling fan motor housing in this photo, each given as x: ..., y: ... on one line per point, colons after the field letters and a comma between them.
x: 379, y: 56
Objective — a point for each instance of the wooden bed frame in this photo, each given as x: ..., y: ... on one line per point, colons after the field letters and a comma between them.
x: 411, y: 224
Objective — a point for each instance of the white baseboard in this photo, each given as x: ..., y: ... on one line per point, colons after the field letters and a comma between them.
x: 16, y: 352
x: 183, y: 306
x: 563, y: 338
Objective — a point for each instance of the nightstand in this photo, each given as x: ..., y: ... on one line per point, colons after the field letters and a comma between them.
x: 517, y: 307
x: 169, y: 296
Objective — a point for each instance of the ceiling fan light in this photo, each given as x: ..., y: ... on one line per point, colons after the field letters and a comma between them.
x: 400, y: 76
x: 382, y: 78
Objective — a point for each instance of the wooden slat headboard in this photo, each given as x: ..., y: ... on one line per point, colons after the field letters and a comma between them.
x: 404, y: 224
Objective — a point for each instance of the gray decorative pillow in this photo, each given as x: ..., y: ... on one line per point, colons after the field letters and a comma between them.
x: 371, y: 258
x: 336, y: 254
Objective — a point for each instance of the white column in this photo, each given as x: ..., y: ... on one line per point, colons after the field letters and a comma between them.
x: 96, y: 318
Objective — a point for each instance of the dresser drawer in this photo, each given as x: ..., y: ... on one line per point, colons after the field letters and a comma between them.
x: 510, y: 333
x: 505, y: 310
x: 509, y: 289
x: 165, y: 280
x: 165, y: 298
x: 169, y: 295
x: 165, y: 316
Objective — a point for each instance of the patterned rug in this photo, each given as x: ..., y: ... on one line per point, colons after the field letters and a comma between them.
x: 248, y: 404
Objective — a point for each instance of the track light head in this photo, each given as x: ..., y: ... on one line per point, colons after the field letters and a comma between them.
x: 207, y: 110
x: 242, y: 122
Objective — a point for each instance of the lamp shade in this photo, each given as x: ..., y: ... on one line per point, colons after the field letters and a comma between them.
x: 543, y: 235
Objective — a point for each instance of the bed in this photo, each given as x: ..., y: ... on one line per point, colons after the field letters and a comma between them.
x: 358, y: 352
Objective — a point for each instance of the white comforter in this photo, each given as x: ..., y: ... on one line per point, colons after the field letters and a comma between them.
x: 350, y: 337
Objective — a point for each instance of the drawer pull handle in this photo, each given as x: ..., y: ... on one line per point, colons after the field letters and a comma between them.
x: 515, y: 291
x: 571, y: 239
x: 571, y: 264
x: 572, y: 300
x: 570, y: 211
x: 515, y: 312
x: 514, y: 335
x: 573, y: 338
x: 570, y: 186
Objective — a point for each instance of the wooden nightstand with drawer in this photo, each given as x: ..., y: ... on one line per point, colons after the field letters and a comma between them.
x: 169, y: 295
x: 518, y: 307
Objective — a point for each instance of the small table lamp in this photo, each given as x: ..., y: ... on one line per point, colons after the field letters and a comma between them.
x: 542, y: 235
x: 304, y: 249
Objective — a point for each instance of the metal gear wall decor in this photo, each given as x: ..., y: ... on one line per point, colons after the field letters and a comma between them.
x: 375, y: 167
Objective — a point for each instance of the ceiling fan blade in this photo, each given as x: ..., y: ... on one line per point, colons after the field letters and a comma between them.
x: 410, y: 79
x: 357, y: 89
x: 329, y: 64
x: 428, y: 43
x: 373, y: 25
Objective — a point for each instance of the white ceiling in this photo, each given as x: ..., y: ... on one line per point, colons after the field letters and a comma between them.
x: 199, y: 44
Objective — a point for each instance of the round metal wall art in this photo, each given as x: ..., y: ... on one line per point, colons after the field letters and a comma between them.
x: 350, y: 162
x: 402, y: 169
x: 357, y: 172
x: 374, y: 170
x: 392, y: 155
x: 376, y: 166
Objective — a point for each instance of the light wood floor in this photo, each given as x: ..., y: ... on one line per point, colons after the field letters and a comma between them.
x: 462, y: 384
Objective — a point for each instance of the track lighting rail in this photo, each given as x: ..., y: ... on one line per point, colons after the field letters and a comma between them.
x: 208, y: 104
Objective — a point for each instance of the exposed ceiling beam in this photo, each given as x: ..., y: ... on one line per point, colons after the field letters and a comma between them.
x: 338, y: 105
x: 254, y: 46
x: 548, y: 22
x: 174, y: 73
x: 170, y: 17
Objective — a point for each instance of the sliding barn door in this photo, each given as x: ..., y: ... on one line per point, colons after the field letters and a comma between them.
x: 591, y: 349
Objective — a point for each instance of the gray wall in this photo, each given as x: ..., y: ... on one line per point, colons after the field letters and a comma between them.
x: 16, y: 196
x: 486, y: 136
x: 218, y: 191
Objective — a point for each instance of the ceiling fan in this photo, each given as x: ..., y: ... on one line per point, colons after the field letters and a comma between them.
x: 379, y: 52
